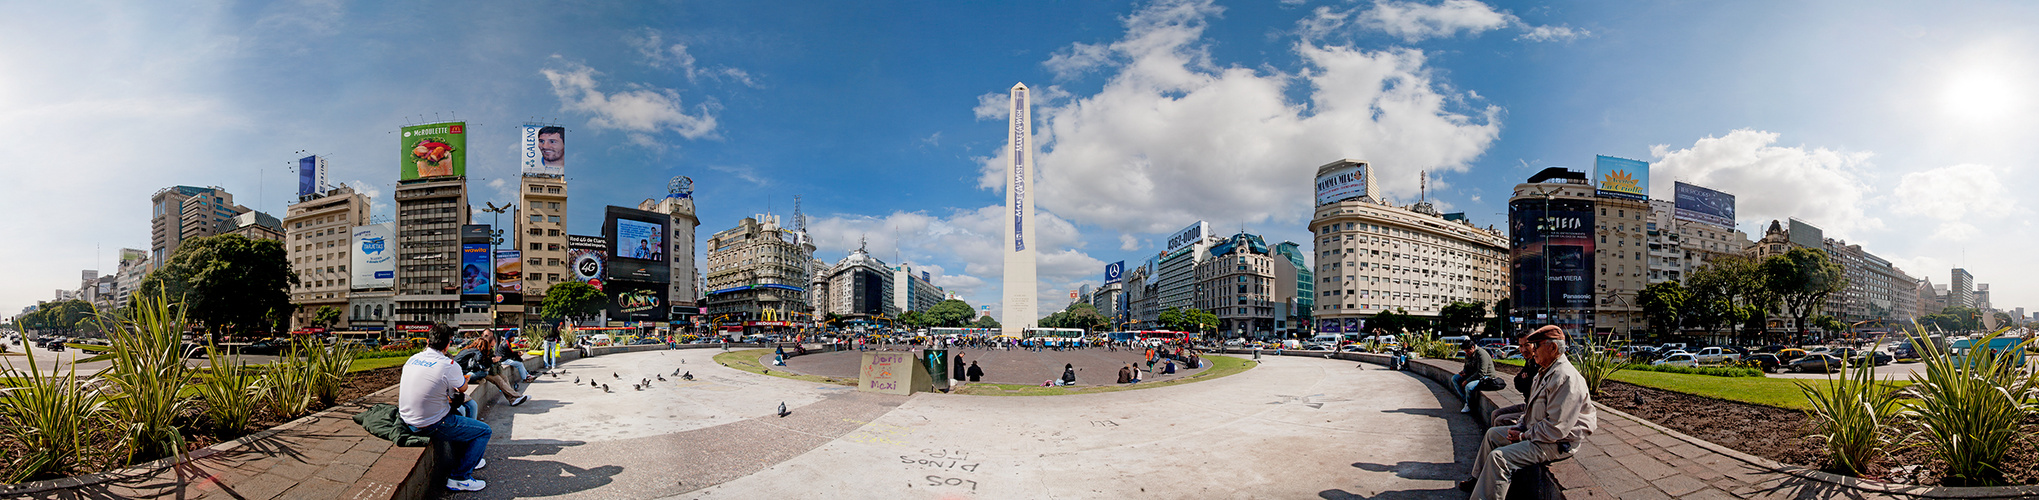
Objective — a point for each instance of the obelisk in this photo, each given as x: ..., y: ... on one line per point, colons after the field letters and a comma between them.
x: 1019, y: 301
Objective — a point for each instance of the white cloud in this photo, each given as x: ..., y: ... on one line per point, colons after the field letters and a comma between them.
x: 1818, y: 185
x: 746, y: 173
x: 640, y: 113
x: 1077, y: 59
x: 1172, y: 138
x: 1416, y: 21
x: 1957, y: 195
x: 650, y: 44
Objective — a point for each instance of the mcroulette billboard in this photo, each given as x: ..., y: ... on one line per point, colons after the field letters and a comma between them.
x: 1551, y: 242
x: 432, y: 150
x: 509, y: 277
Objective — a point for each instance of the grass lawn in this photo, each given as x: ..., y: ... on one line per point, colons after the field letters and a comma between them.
x: 1777, y: 392
x: 370, y: 364
x: 747, y: 360
x: 1221, y: 366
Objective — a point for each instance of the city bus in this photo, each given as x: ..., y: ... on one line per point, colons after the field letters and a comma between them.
x: 1054, y: 332
x: 1160, y: 336
x: 962, y: 332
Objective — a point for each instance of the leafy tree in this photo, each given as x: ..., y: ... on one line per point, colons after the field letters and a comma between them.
x: 985, y: 322
x: 1720, y: 290
x: 1663, y: 303
x: 951, y: 313
x: 1085, y: 316
x: 1187, y: 319
x: 226, y: 282
x: 58, y: 318
x: 574, y: 301
x: 326, y: 316
x: 1396, y: 321
x: 1460, y: 317
x: 912, y: 320
x: 1831, y: 324
x: 1802, y: 279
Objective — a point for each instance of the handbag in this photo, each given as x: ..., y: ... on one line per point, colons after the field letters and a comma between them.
x: 1492, y: 383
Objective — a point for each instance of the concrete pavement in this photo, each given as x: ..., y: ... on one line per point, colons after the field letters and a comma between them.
x: 1296, y: 427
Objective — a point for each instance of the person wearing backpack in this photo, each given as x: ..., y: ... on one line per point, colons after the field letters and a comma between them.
x: 478, y: 362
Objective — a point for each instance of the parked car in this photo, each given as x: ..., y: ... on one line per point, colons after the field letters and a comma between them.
x: 1491, y: 342
x: 1679, y: 359
x: 1769, y: 363
x: 1822, y: 363
x: 1771, y: 349
x: 266, y: 347
x: 1716, y: 355
x: 1788, y: 354
x: 1878, y: 357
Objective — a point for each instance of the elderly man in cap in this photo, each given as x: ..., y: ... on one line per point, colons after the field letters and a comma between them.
x: 1560, y: 415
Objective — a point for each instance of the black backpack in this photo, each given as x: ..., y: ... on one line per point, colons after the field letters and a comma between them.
x: 469, y: 361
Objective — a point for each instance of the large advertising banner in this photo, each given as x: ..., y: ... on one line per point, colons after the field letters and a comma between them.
x: 1114, y: 272
x: 1552, y: 256
x: 632, y: 301
x: 1341, y: 184
x: 476, y: 272
x: 589, y: 257
x: 1806, y: 235
x: 640, y: 240
x: 544, y: 150
x: 311, y: 175
x: 1188, y: 236
x: 1698, y: 204
x: 1622, y: 177
x: 637, y: 240
x: 374, y: 260
x: 434, y: 150
x: 510, y: 271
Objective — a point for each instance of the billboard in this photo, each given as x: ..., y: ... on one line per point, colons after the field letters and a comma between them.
x: 1187, y: 236
x: 1807, y: 235
x: 637, y: 243
x: 374, y: 259
x: 434, y: 150
x: 509, y: 273
x: 311, y: 175
x: 1622, y: 177
x: 1552, y: 253
x: 544, y: 150
x: 1114, y: 272
x: 1342, y: 183
x: 1698, y: 204
x: 589, y: 257
x: 631, y: 301
x: 476, y: 272
x: 1330, y: 325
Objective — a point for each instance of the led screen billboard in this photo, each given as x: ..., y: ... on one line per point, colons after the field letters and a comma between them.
x: 374, y: 260
x: 544, y: 150
x: 638, y: 245
x: 1552, y: 256
x: 633, y: 301
x: 589, y: 257
x: 433, y: 150
x: 1698, y: 204
x: 509, y: 271
x: 1622, y: 177
x: 1342, y: 183
x: 476, y: 272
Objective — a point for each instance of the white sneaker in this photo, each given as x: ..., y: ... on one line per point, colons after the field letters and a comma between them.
x: 1461, y: 409
x: 483, y: 463
x: 468, y: 485
x: 518, y: 401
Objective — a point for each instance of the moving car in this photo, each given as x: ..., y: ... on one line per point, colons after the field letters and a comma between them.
x: 1788, y: 354
x: 1769, y: 363
x: 1823, y: 363
x: 1679, y: 359
x: 266, y: 347
x: 1716, y: 355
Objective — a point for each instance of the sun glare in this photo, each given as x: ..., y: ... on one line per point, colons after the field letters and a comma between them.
x: 1980, y: 95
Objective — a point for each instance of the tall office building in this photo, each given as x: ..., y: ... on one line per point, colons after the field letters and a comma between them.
x: 1552, y: 243
x: 1020, y: 303
x: 757, y: 274
x: 318, y: 236
x: 860, y: 289
x: 1296, y: 289
x: 168, y: 223
x: 683, y: 294
x: 1373, y: 256
x: 1961, y: 290
x: 914, y: 291
x: 429, y: 215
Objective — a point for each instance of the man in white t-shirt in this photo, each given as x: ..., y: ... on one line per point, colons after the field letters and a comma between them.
x: 432, y: 385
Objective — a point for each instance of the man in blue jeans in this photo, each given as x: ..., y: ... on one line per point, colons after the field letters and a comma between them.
x: 431, y: 387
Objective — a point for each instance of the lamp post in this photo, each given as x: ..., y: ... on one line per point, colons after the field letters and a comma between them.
x: 495, y: 241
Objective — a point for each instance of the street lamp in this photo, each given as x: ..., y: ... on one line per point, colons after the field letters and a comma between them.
x: 496, y: 240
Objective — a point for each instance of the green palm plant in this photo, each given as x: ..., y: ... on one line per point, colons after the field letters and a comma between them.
x: 1969, y: 406
x: 327, y: 367
x: 55, y: 418
x: 148, y: 373
x: 1853, y: 414
x: 231, y: 390
x: 287, y: 384
x: 1596, y: 364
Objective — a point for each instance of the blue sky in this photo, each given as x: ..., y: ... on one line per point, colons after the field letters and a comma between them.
x: 1901, y: 126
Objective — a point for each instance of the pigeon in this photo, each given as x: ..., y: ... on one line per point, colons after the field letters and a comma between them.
x: 661, y: 378
x: 638, y: 387
x: 676, y: 372
x: 555, y: 374
x: 618, y: 377
x: 576, y: 381
x: 687, y: 376
x: 605, y: 388
x: 683, y: 361
x: 782, y: 410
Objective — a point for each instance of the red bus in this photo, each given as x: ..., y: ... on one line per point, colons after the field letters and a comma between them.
x: 1159, y: 336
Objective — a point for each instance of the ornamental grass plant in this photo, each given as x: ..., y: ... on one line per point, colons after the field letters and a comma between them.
x: 1852, y: 415
x: 148, y: 374
x: 287, y: 384
x: 1969, y: 403
x: 232, y: 391
x: 327, y: 366
x: 54, y: 418
x: 1596, y: 363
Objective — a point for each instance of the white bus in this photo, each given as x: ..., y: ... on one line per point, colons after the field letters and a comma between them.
x: 962, y: 332
x: 1054, y: 332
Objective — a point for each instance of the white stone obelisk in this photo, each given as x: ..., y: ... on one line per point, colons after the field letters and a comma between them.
x: 1019, y: 305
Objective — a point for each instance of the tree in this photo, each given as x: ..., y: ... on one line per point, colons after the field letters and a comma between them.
x: 985, y: 322
x: 58, y: 318
x: 1187, y: 319
x: 951, y: 313
x: 1497, y: 324
x: 326, y: 316
x: 1831, y: 324
x: 912, y: 320
x: 1085, y: 316
x: 1460, y: 317
x: 225, y: 282
x: 1719, y: 290
x: 1802, y: 279
x: 573, y: 301
x: 1663, y: 304
x: 1395, y: 321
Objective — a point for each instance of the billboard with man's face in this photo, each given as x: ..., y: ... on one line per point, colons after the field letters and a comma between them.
x: 638, y: 244
x: 544, y: 150
x: 434, y: 150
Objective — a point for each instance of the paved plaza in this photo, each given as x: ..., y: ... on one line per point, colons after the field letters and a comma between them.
x: 1292, y: 428
x: 1095, y: 366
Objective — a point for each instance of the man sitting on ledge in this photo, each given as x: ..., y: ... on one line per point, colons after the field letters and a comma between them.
x: 1560, y: 415
x: 431, y: 387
